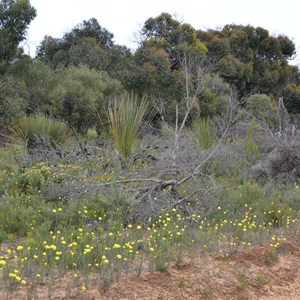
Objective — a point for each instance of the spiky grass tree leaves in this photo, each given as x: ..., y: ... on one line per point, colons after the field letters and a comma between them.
x: 126, y: 115
x: 203, y: 133
x: 30, y: 131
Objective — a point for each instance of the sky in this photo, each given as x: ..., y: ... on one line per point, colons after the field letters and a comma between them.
x: 124, y: 18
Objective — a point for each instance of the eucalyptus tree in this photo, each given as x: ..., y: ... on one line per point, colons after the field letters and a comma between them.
x: 85, y: 44
x: 169, y: 34
x: 249, y: 58
x: 15, y: 17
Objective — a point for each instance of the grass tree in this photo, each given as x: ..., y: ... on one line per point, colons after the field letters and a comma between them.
x: 31, y: 131
x: 203, y: 133
x: 126, y: 116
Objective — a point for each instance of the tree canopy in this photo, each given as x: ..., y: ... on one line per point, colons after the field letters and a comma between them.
x: 73, y: 76
x: 85, y: 44
x: 173, y: 36
x: 250, y: 58
x: 15, y: 17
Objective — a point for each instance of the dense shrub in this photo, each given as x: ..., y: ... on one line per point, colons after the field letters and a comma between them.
x: 262, y: 108
x: 81, y: 96
x: 13, y: 100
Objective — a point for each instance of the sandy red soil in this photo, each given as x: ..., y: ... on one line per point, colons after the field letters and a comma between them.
x: 256, y: 273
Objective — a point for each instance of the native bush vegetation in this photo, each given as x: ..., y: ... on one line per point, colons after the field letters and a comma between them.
x: 32, y: 131
x: 86, y: 216
x: 126, y: 115
x: 134, y: 161
x: 202, y: 133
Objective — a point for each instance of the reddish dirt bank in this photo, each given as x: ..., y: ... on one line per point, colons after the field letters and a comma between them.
x: 257, y: 273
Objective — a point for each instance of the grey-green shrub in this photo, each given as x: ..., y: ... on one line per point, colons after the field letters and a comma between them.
x: 263, y: 108
x: 13, y: 101
x: 81, y: 96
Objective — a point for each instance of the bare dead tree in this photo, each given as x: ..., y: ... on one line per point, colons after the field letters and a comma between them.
x: 194, y: 72
x: 284, y: 157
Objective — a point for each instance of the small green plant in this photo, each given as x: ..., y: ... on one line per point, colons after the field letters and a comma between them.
x: 207, y: 292
x: 271, y: 258
x: 202, y: 133
x: 31, y: 131
x: 91, y: 134
x: 243, y: 283
x: 182, y: 283
x: 126, y: 115
x: 262, y: 279
x: 161, y: 260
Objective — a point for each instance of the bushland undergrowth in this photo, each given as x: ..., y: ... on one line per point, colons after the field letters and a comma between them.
x: 80, y: 214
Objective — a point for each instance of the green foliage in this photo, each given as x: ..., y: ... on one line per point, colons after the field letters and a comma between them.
x: 15, y: 17
x: 154, y: 70
x: 32, y: 131
x: 250, y: 58
x: 153, y: 76
x: 214, y: 97
x: 263, y: 108
x: 32, y: 180
x: 86, y: 44
x: 271, y: 258
x: 235, y: 72
x: 291, y: 98
x: 87, y: 52
x: 236, y: 200
x: 38, y: 81
x: 91, y: 29
x: 13, y: 100
x: 251, y: 146
x: 243, y: 282
x: 174, y: 37
x: 91, y: 134
x: 15, y: 221
x: 80, y: 96
x: 207, y: 292
x: 126, y: 115
x: 79, y: 214
x: 203, y: 133
x: 262, y: 279
x: 257, y: 204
